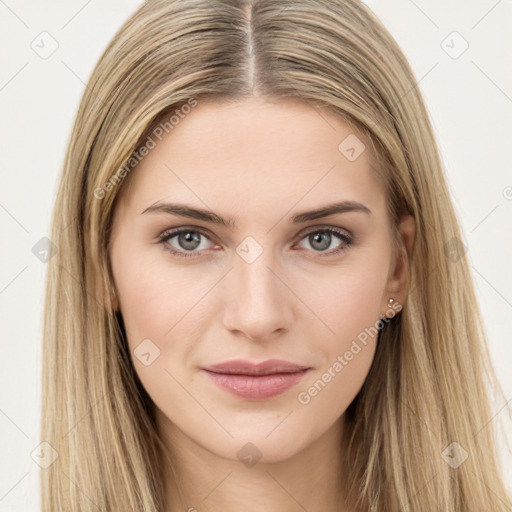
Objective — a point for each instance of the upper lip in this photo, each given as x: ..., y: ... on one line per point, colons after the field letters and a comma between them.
x: 243, y: 367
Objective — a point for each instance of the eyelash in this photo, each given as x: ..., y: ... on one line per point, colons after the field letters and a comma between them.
x: 167, y: 235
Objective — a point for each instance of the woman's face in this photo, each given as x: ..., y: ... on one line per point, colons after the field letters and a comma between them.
x: 255, y: 276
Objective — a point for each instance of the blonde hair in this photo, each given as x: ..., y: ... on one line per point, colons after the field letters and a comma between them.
x: 427, y: 387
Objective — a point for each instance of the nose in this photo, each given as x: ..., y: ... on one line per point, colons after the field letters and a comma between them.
x: 259, y: 305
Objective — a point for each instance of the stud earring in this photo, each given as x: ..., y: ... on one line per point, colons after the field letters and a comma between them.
x: 391, y: 302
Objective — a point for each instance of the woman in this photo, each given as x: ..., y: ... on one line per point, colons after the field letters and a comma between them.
x: 260, y: 299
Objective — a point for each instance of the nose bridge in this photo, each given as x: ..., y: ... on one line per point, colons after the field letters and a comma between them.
x: 260, y: 302
x: 257, y: 279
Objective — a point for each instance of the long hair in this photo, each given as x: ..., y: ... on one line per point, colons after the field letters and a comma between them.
x: 426, y: 400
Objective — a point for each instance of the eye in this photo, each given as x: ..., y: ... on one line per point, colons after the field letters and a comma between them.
x: 188, y: 241
x: 321, y: 239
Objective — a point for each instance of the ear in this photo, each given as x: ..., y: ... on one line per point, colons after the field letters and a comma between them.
x: 399, y: 274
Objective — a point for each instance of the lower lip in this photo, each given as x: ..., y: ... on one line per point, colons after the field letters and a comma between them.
x: 257, y: 387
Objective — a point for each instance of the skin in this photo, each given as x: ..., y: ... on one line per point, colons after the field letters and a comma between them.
x: 259, y: 162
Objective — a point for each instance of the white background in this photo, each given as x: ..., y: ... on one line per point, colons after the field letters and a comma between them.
x: 469, y: 99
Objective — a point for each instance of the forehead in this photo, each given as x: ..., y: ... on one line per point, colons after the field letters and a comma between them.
x: 256, y: 154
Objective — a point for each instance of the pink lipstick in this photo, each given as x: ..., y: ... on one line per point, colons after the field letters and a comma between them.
x: 256, y: 381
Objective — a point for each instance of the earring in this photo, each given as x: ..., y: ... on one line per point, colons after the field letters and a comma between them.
x: 391, y: 301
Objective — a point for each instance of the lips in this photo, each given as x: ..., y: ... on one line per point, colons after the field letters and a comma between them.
x: 269, y: 367
x: 256, y: 381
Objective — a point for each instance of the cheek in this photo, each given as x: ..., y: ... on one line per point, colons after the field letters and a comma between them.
x: 351, y: 308
x: 352, y: 313
x: 329, y: 392
x: 352, y: 299
x: 157, y: 305
x: 163, y: 309
x: 154, y: 296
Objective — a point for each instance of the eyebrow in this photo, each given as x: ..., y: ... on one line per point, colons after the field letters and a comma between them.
x: 183, y: 210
